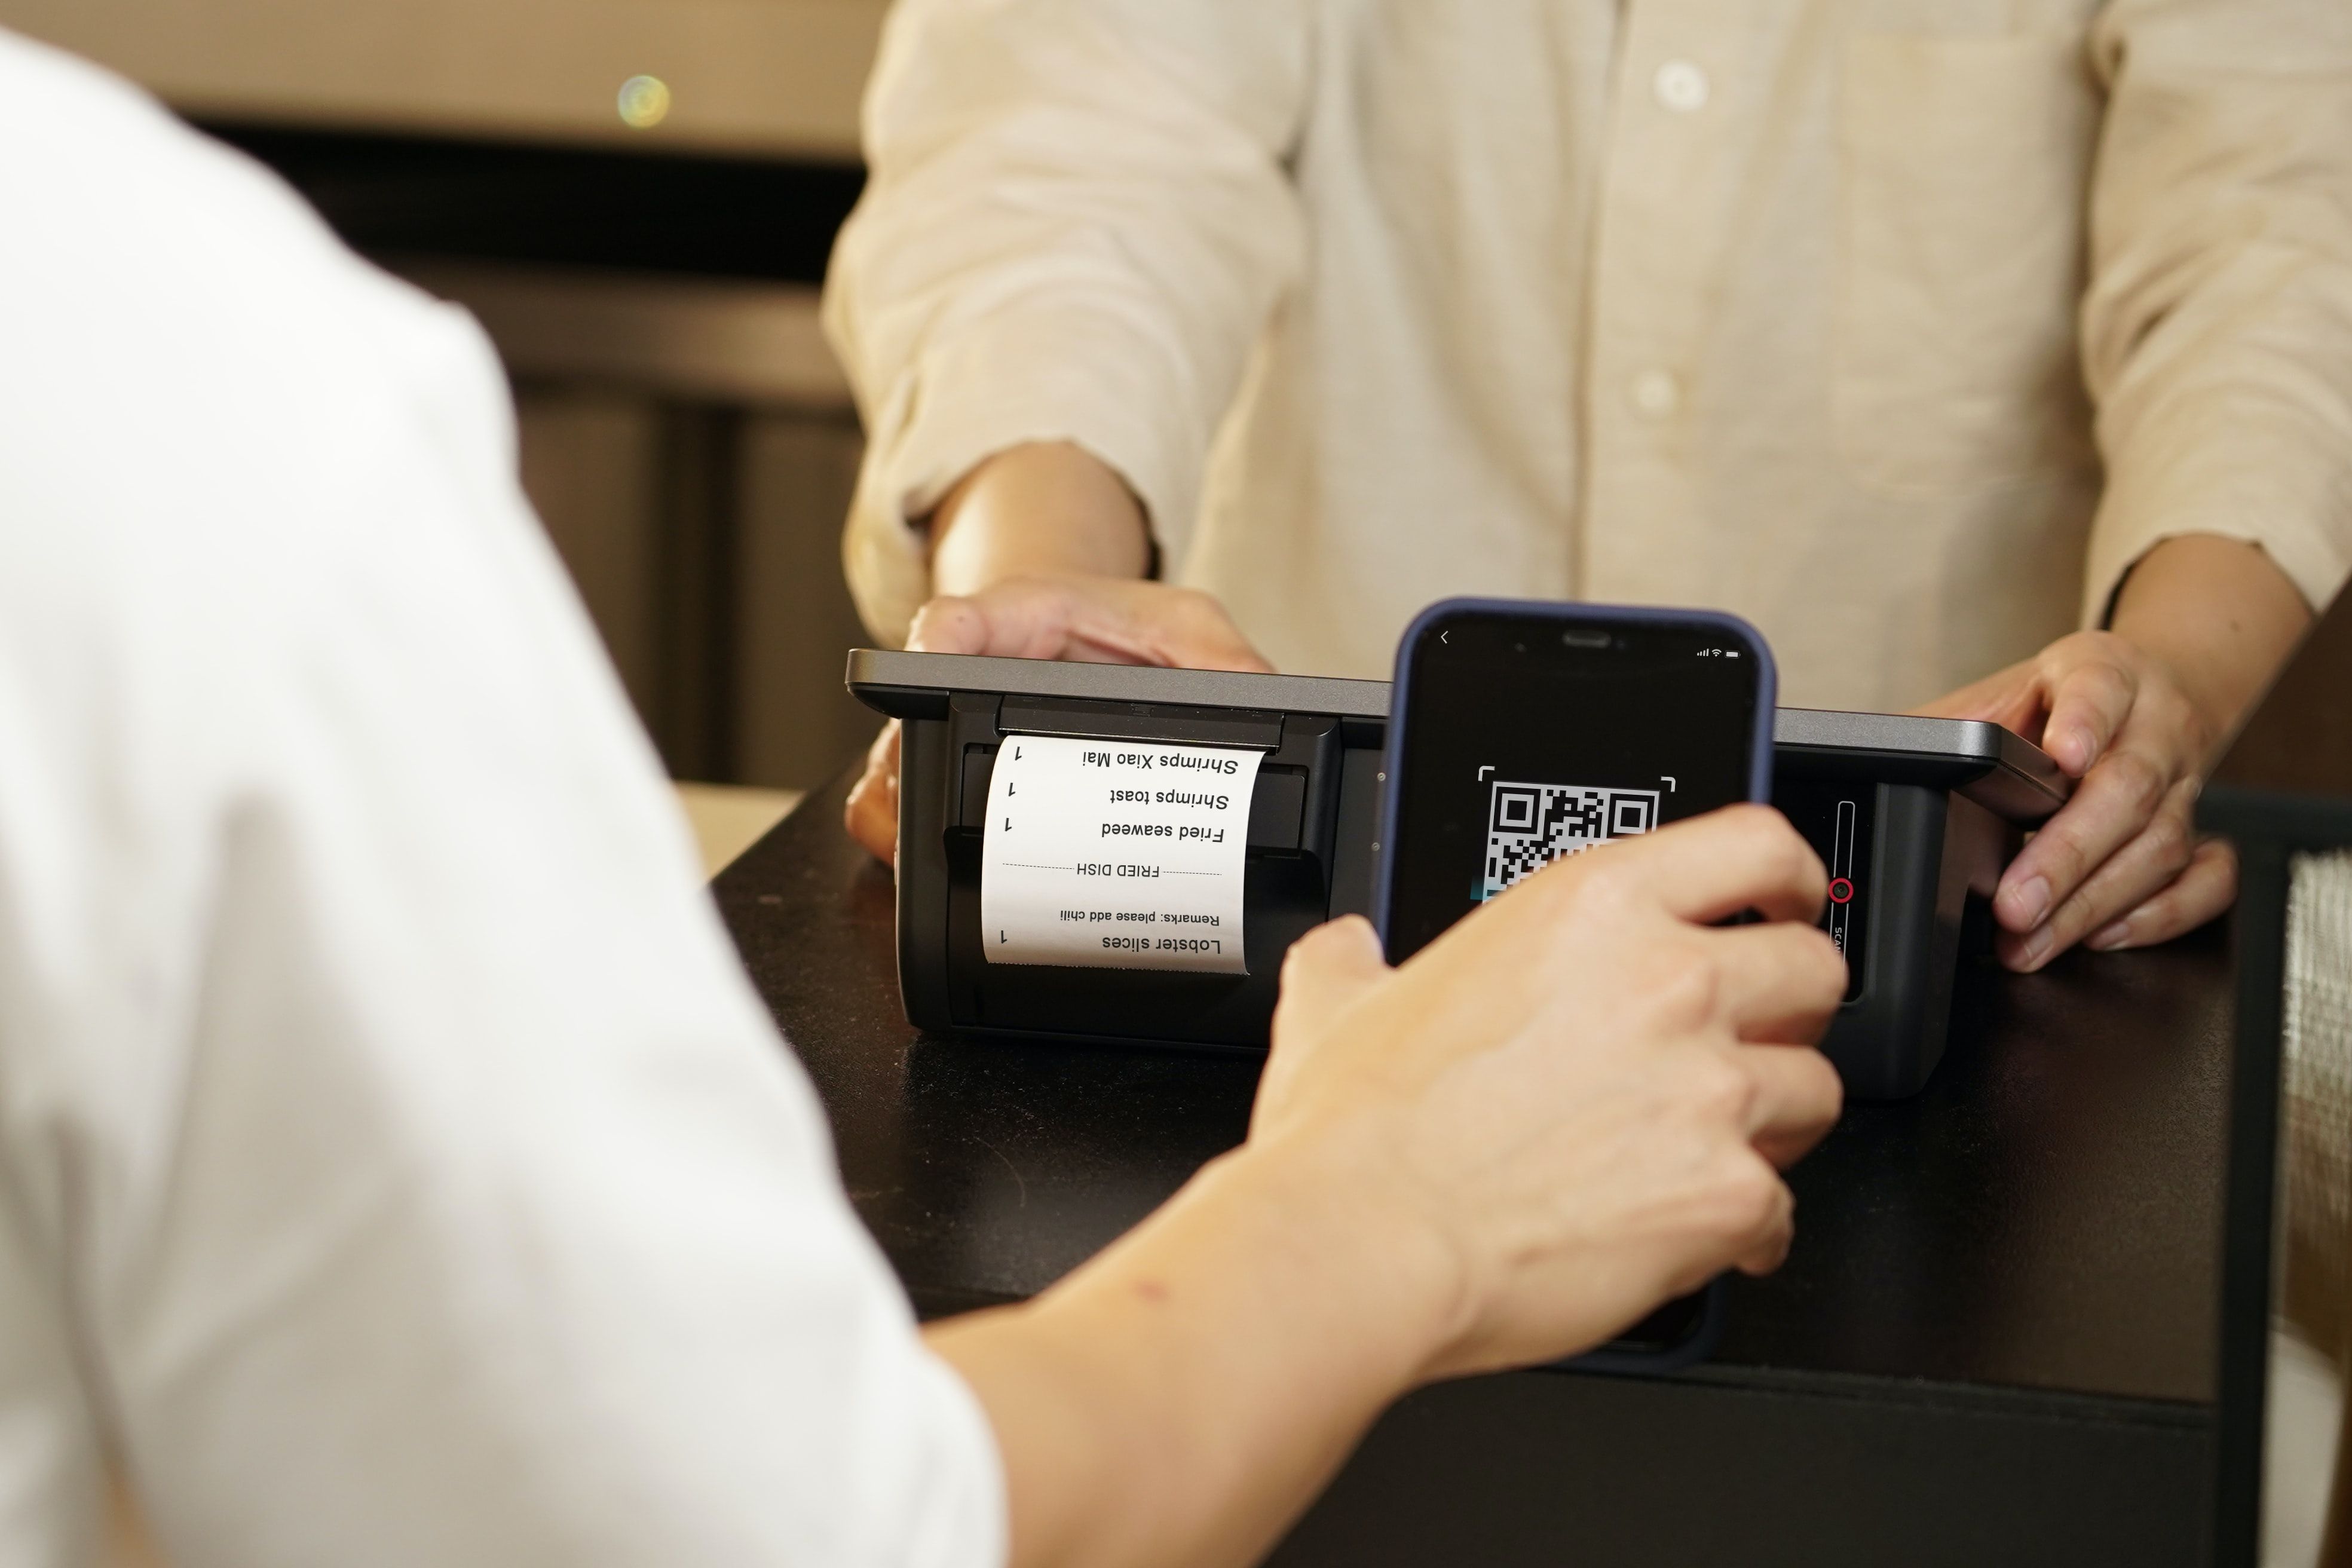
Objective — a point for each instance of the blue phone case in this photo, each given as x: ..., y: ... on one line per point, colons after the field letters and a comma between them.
x: 1700, y: 1343
x: 1768, y: 689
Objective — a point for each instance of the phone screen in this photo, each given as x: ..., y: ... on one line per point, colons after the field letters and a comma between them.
x: 1525, y: 736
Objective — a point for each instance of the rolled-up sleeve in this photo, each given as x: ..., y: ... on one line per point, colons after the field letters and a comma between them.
x: 1077, y: 223
x: 2217, y: 324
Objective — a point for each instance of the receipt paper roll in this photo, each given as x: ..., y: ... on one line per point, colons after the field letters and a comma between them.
x: 1116, y: 855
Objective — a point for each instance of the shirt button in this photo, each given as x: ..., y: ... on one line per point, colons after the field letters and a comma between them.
x: 1680, y: 85
x: 1656, y: 393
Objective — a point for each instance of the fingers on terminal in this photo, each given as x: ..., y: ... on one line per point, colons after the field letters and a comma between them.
x: 1203, y: 634
x: 1199, y: 609
x: 2205, y: 889
x: 871, y: 812
x: 2129, y: 878
x: 2137, y: 780
x: 1742, y: 858
x: 2170, y: 836
x: 949, y: 624
x: 2117, y: 801
x: 2093, y: 699
x: 1018, y: 617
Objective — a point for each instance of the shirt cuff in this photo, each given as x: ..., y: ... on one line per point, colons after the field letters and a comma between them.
x: 2258, y: 475
x: 973, y: 1528
x: 1087, y: 377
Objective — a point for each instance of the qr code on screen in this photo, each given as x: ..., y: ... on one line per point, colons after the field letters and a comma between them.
x: 1530, y: 826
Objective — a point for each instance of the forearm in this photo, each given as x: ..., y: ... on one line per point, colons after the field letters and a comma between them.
x: 1042, y: 509
x: 1179, y: 1399
x: 2221, y: 615
x: 1036, y: 553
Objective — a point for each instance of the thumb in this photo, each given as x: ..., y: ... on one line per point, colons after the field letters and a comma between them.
x: 1327, y: 969
x: 1325, y: 973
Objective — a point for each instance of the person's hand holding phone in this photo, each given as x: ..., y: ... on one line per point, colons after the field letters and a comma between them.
x: 1583, y: 1089
x: 1565, y: 1109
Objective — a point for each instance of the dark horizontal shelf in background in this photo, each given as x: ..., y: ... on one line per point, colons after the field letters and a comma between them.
x: 667, y: 212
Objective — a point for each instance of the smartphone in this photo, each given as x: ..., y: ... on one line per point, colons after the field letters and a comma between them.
x: 1523, y: 731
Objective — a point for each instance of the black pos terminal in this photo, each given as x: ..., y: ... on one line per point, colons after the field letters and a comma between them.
x: 1914, y: 818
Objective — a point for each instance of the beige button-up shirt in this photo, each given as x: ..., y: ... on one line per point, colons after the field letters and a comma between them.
x: 1900, y: 327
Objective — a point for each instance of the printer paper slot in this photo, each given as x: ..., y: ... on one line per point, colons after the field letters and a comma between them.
x: 1116, y: 855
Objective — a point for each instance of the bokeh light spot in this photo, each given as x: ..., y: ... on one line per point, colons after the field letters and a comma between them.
x: 645, y: 103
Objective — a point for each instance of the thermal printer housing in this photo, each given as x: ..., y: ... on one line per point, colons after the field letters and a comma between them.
x: 1913, y: 817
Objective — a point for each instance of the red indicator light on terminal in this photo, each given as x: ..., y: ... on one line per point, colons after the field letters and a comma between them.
x: 1841, y: 891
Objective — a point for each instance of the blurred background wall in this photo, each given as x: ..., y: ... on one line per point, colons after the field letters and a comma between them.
x: 636, y: 198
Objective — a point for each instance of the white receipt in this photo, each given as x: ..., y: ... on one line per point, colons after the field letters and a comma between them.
x: 1116, y: 854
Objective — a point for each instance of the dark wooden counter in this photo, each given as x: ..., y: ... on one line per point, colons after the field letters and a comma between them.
x: 1993, y: 1343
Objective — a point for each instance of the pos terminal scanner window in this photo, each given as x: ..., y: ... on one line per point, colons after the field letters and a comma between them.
x: 1135, y: 869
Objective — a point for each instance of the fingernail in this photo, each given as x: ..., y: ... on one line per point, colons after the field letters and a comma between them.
x: 2025, y: 905
x: 2110, y: 936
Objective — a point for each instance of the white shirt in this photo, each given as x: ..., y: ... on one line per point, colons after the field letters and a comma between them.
x: 395, y: 1164
x: 1901, y: 327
